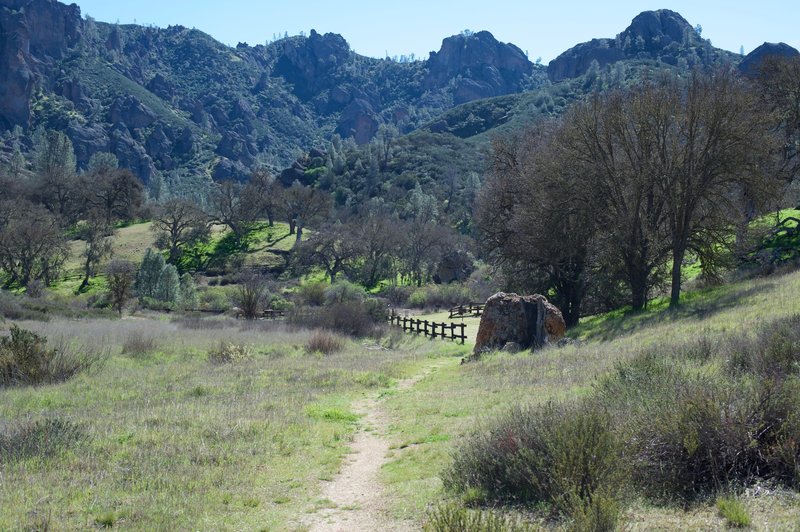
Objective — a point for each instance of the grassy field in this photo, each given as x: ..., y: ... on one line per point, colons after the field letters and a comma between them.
x: 168, y: 439
x: 172, y: 441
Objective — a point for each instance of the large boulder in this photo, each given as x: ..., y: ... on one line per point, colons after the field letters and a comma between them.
x: 530, y: 321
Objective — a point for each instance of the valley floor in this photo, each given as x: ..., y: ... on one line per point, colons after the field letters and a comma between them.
x: 283, y: 439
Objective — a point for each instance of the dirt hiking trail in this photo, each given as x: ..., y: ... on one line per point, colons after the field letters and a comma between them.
x: 359, y: 501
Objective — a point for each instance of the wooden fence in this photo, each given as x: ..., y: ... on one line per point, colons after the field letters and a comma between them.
x: 445, y: 331
x: 473, y: 310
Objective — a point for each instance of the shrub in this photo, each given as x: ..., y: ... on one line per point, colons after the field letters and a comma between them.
x: 10, y: 307
x: 312, y: 294
x: 773, y: 352
x: 690, y: 434
x: 397, y: 295
x: 137, y: 344
x: 42, y: 438
x: 357, y: 319
x: 733, y: 511
x: 228, y: 353
x: 444, y: 295
x: 251, y: 294
x: 325, y: 342
x: 561, y: 455
x: 26, y: 359
x: 188, y: 291
x: 344, y: 292
x: 455, y: 518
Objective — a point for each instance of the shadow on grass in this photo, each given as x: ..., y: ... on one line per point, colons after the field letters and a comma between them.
x: 698, y: 305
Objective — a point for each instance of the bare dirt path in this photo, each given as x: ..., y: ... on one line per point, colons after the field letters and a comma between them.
x: 359, y: 501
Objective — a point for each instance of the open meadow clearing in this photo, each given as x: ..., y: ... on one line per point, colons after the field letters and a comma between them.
x: 176, y: 430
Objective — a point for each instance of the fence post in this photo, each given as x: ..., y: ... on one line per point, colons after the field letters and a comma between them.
x: 452, y: 331
x: 425, y: 323
x: 463, y: 333
x: 433, y: 333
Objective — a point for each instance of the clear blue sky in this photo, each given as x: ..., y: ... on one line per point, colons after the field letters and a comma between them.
x: 376, y: 28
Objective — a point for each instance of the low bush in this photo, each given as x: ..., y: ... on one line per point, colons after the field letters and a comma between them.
x: 138, y: 344
x: 10, y: 307
x: 560, y: 455
x: 228, y: 353
x: 354, y: 318
x: 42, y: 438
x: 440, y: 296
x: 312, y: 294
x: 325, y: 342
x: 455, y: 518
x: 397, y: 295
x: 733, y: 511
x: 774, y: 351
x: 25, y: 359
x: 344, y: 292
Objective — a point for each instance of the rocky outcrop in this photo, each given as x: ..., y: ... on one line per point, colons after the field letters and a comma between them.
x: 661, y: 34
x: 358, y: 120
x: 530, y: 321
x: 307, y: 63
x: 752, y: 62
x: 486, y: 67
x: 16, y: 73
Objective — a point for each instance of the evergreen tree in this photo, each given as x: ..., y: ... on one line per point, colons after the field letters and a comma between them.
x: 149, y: 274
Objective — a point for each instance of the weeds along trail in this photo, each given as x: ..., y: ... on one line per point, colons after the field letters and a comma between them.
x: 356, y: 495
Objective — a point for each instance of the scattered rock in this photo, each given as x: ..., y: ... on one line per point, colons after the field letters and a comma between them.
x: 530, y: 321
x: 512, y: 347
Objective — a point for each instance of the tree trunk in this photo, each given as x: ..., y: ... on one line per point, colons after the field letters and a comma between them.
x: 678, y: 252
x: 638, y: 284
x: 86, y: 270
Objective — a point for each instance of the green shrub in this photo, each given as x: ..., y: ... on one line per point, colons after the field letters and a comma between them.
x: 325, y: 342
x: 557, y: 454
x: 733, y: 511
x: 25, y: 359
x: 344, y: 292
x: 312, y: 294
x: 228, y: 353
x: 42, y: 438
x: 455, y: 518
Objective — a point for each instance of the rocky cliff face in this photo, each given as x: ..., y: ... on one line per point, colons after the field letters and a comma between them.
x: 33, y: 33
x: 664, y: 35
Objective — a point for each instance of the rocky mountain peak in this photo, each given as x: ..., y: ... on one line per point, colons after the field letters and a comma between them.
x: 306, y: 61
x: 660, y: 28
x: 487, y: 66
x: 661, y: 34
x: 753, y: 61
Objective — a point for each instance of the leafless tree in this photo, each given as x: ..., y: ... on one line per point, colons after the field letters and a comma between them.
x: 179, y: 223
x: 120, y: 275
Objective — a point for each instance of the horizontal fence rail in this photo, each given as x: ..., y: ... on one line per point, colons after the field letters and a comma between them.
x: 473, y: 310
x: 431, y: 329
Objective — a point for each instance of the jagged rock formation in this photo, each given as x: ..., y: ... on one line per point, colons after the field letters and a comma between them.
x: 663, y: 35
x: 753, y: 61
